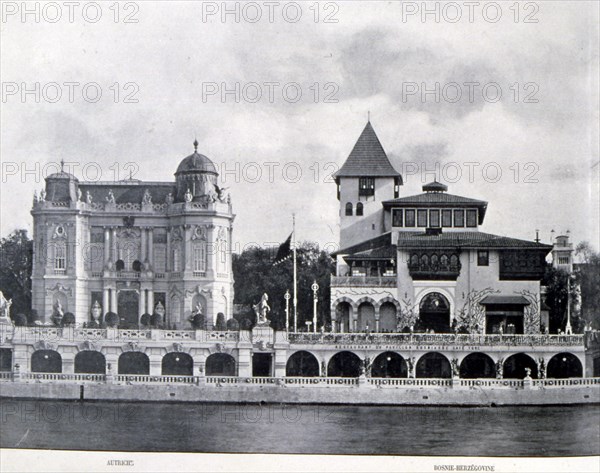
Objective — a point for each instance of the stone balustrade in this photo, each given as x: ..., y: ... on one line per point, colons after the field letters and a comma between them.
x: 364, y: 281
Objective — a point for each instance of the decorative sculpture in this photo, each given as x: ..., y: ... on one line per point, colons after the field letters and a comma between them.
x: 57, y: 313
x: 147, y: 199
x: 42, y: 195
x: 79, y: 194
x: 110, y: 198
x: 542, y: 368
x: 261, y: 309
x: 88, y: 197
x: 500, y: 368
x: 169, y: 198
x: 187, y: 196
x: 455, y: 368
x: 4, y: 306
x: 159, y: 309
x: 221, y: 193
x: 96, y: 312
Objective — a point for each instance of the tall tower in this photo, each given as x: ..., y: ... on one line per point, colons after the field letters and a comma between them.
x: 364, y: 181
x: 562, y: 253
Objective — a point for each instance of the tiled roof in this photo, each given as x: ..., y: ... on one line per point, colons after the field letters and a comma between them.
x: 500, y: 299
x: 465, y: 240
x: 367, y: 158
x: 381, y: 247
x: 196, y: 163
x: 434, y: 198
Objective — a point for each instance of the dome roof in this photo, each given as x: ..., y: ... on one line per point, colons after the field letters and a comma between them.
x: 62, y: 175
x: 435, y: 187
x: 196, y: 162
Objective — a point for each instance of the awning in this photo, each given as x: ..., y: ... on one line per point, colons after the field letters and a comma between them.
x: 504, y: 300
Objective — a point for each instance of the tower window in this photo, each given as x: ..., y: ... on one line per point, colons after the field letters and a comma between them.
x: 483, y: 258
x: 397, y: 217
x: 459, y: 218
x: 366, y: 186
x: 349, y: 209
x: 410, y: 218
x: 446, y: 218
x: 60, y: 258
x: 471, y: 218
x: 421, y: 218
x: 359, y: 209
x: 434, y: 218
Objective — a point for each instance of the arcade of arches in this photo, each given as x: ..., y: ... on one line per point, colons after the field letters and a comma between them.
x: 388, y: 364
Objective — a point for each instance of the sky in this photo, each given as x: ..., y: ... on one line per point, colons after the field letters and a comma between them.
x: 500, y: 104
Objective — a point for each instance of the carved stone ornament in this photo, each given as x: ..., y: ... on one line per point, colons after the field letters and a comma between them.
x: 199, y: 233
x: 59, y: 233
x: 177, y: 347
x: 132, y: 346
x: 44, y: 345
x: 58, y: 287
x: 88, y: 346
x: 176, y: 234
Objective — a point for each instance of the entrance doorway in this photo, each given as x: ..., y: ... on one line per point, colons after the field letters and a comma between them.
x: 434, y: 313
x: 128, y: 304
x: 261, y: 364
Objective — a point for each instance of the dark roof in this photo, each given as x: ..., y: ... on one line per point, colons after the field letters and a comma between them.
x: 129, y: 193
x: 502, y: 300
x: 381, y: 253
x: 435, y: 187
x: 367, y: 158
x: 465, y: 240
x: 437, y: 199
x: 377, y: 242
x: 196, y: 163
x: 62, y: 175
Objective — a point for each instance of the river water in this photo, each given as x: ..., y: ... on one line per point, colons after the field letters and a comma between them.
x: 501, y: 431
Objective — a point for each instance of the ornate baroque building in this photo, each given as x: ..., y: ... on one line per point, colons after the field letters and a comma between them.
x: 132, y: 246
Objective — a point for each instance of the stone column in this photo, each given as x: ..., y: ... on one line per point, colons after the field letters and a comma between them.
x: 106, y: 246
x: 150, y: 302
x: 168, y: 266
x: 115, y: 254
x: 333, y: 319
x: 150, y: 247
x: 105, y: 301
x: 279, y: 362
x: 155, y: 365
x: 244, y: 363
x: 113, y: 300
x: 376, y: 318
x: 143, y: 246
x: 142, y: 306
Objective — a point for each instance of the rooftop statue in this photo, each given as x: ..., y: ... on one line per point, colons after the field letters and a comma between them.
x: 261, y: 309
x: 110, y: 198
x: 147, y: 199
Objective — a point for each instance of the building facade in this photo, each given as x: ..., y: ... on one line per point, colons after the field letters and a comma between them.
x: 133, y: 247
x: 421, y: 263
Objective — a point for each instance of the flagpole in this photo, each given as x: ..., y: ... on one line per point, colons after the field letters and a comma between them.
x: 295, y: 274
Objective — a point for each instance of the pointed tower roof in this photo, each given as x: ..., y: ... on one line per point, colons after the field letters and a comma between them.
x: 367, y: 158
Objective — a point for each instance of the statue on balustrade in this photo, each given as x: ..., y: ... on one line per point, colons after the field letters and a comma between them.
x: 79, y: 195
x: 410, y: 361
x: 261, y: 309
x: 169, y: 199
x: 57, y: 313
x: 110, y: 198
x: 42, y: 195
x: 542, y: 368
x: 88, y: 197
x: 96, y: 314
x: 5, y: 306
x: 147, y: 199
x: 455, y: 368
x: 221, y: 196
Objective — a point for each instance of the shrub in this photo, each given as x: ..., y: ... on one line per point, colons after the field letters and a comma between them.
x: 112, y: 319
x: 246, y: 324
x: 220, y: 324
x: 156, y: 320
x: 146, y: 319
x: 233, y: 325
x: 33, y: 317
x: 199, y: 322
x: 20, y: 320
x: 68, y: 319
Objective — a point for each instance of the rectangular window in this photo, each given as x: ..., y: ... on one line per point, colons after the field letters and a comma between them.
x: 421, y: 218
x: 446, y: 218
x: 471, y: 218
x: 175, y: 263
x: 459, y: 218
x: 410, y: 218
x: 397, y: 215
x: 434, y: 218
x: 483, y: 258
x: 200, y: 258
x: 366, y: 186
x: 60, y: 258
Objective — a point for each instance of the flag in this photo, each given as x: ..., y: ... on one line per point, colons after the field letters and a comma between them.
x: 284, y: 252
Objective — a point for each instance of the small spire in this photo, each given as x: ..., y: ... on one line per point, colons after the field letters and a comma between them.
x: 368, y: 116
x: 130, y: 174
x: 62, y: 165
x: 195, y: 145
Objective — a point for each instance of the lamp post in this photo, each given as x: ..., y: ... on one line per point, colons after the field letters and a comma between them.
x: 568, y: 328
x: 315, y: 288
x: 287, y: 298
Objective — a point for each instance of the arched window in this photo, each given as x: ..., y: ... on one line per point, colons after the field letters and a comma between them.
x: 444, y: 260
x: 359, y: 209
x: 414, y: 260
x: 120, y: 265
x: 349, y: 209
x: 136, y: 266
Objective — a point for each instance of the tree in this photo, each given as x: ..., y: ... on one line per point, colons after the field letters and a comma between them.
x: 255, y: 274
x: 16, y: 260
x: 587, y: 278
x: 233, y: 325
x: 68, y: 319
x: 145, y: 319
x: 220, y: 323
x: 557, y: 295
x: 199, y: 322
x: 111, y: 319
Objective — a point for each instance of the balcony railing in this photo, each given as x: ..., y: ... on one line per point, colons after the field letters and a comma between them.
x: 436, y: 339
x: 364, y: 281
x: 128, y: 275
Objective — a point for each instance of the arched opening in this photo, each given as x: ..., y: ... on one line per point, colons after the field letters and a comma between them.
x: 46, y: 361
x: 344, y: 364
x: 433, y: 365
x: 387, y: 317
x: 434, y: 313
x: 366, y: 317
x: 477, y: 365
x: 343, y: 311
x: 90, y: 362
x: 564, y: 365
x: 514, y: 366
x: 302, y: 363
x: 349, y: 209
x: 134, y: 362
x: 5, y: 359
x: 137, y: 266
x: 120, y: 265
x: 389, y: 365
x: 220, y: 364
x: 359, y: 209
x: 177, y: 364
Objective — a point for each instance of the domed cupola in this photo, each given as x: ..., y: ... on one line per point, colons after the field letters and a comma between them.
x: 61, y: 186
x: 196, y: 173
x: 435, y: 187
